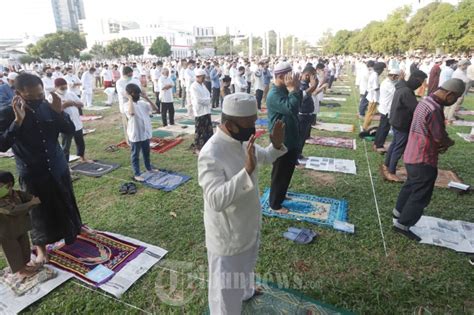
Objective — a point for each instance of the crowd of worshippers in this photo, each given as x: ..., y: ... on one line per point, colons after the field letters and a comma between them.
x: 290, y: 90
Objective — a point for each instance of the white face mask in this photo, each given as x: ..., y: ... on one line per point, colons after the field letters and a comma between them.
x: 61, y: 92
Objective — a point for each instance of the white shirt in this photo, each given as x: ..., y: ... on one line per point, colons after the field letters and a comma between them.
x: 189, y: 77
x: 372, y: 87
x: 232, y: 210
x: 156, y: 77
x: 240, y: 83
x: 72, y: 79
x: 470, y: 72
x: 258, y: 80
x: 87, y: 81
x: 364, y: 78
x: 387, y: 90
x: 445, y: 75
x: 166, y: 96
x: 57, y: 74
x: 48, y: 85
x: 122, y: 94
x: 139, y: 124
x: 200, y: 99
x: 72, y: 111
x: 106, y: 74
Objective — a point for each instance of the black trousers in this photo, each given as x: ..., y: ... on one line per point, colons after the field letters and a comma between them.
x: 416, y: 193
x: 66, y: 141
x: 382, y: 131
x: 208, y: 85
x: 305, y: 130
x: 282, y: 172
x: 259, y: 97
x: 396, y: 150
x: 167, y: 108
x: 216, y: 93
x: 157, y: 94
x: 249, y: 86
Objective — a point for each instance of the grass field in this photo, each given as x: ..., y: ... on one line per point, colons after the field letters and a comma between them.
x: 352, y: 272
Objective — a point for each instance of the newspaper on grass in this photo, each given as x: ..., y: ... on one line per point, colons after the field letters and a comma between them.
x: 456, y: 235
x: 331, y: 165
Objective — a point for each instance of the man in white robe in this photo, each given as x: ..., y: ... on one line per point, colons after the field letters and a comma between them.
x: 228, y: 174
x: 88, y: 83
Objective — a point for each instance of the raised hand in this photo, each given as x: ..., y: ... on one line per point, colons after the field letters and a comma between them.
x: 291, y: 81
x: 251, y: 160
x: 56, y: 104
x: 278, y: 134
x: 19, y: 110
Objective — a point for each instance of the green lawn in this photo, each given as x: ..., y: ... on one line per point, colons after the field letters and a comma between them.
x: 352, y: 272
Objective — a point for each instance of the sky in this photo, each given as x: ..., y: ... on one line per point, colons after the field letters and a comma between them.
x: 307, y: 19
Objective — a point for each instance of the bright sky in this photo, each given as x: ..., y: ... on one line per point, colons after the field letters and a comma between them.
x: 306, y: 19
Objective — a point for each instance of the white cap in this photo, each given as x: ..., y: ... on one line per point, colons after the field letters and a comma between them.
x: 394, y: 71
x: 12, y: 76
x: 282, y: 68
x: 199, y: 72
x: 239, y: 105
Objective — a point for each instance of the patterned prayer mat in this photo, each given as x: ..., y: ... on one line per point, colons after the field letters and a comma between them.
x: 157, y: 145
x: 466, y: 136
x: 188, y: 122
x: 90, y: 117
x: 164, y: 180
x: 94, y: 257
x: 466, y: 123
x: 276, y: 300
x: 162, y: 134
x: 333, y: 142
x: 317, y: 210
x: 466, y: 112
x: 262, y: 122
x: 94, y: 169
x: 334, y: 127
x: 442, y: 181
x: 259, y: 133
x: 328, y: 114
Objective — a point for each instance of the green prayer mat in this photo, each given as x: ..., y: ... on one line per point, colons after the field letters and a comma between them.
x: 328, y: 114
x: 181, y: 110
x: 162, y: 134
x: 189, y: 122
x: 286, y: 301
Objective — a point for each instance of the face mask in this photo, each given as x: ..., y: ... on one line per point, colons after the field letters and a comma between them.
x: 61, y: 92
x: 49, y: 75
x: 244, y: 134
x: 34, y: 103
x: 4, y: 191
x: 413, y: 83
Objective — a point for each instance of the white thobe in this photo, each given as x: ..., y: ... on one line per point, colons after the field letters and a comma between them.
x: 200, y: 99
x: 387, y: 90
x: 232, y: 217
x: 87, y: 81
x: 48, y: 85
x: 373, y: 92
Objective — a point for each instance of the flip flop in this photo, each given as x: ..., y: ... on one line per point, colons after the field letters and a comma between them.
x: 132, y: 189
x: 111, y: 148
x: 308, y: 232
x: 123, y: 189
x: 299, y: 238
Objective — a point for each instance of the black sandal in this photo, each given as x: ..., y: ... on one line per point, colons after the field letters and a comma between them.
x: 132, y: 188
x: 123, y: 189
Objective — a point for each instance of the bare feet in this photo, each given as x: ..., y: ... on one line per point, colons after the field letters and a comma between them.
x: 139, y: 178
x: 42, y: 256
x: 84, y: 160
x: 385, y: 168
x: 381, y: 150
x: 281, y: 210
x: 26, y: 272
x: 393, y: 177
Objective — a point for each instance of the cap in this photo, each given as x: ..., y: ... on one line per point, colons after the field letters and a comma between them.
x: 59, y: 82
x: 239, y: 105
x: 12, y: 76
x: 282, y: 68
x: 454, y: 85
x: 394, y: 71
x: 464, y: 62
x: 199, y: 72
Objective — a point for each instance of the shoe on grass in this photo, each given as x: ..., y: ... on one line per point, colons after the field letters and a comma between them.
x: 409, y: 234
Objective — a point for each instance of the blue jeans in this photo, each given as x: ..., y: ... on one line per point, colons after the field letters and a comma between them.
x: 396, y: 150
x: 143, y: 146
x: 363, y: 104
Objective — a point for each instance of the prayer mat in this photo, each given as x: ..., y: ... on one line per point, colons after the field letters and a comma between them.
x: 341, y: 92
x: 275, y: 300
x: 328, y: 114
x: 188, y: 122
x: 12, y: 304
x: 262, y: 122
x: 463, y: 123
x: 179, y: 129
x: 157, y: 145
x: 8, y: 154
x: 442, y: 181
x: 333, y: 142
x: 335, y: 99
x: 466, y: 136
x: 164, y: 180
x: 466, y: 112
x: 87, y: 131
x: 334, y: 127
x: 330, y: 105
x: 259, y: 133
x: 90, y: 117
x: 162, y: 134
x: 94, y: 257
x: 94, y: 169
x: 330, y: 165
x: 216, y: 111
x: 181, y: 110
x: 302, y: 207
x: 23, y: 286
x: 97, y: 108
x: 341, y: 87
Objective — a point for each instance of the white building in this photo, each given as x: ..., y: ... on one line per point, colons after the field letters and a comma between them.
x: 67, y: 14
x: 104, y: 31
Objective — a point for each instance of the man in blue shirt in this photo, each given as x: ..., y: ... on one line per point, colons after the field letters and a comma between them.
x: 7, y: 90
x: 215, y: 84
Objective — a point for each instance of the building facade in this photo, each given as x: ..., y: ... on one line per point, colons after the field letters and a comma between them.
x: 67, y: 14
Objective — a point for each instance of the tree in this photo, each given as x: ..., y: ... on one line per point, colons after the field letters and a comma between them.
x: 124, y: 47
x: 325, y: 40
x: 160, y: 47
x: 59, y: 45
x: 28, y: 59
x: 86, y: 57
x: 339, y: 44
x: 272, y: 42
x: 224, y: 45
x: 99, y: 52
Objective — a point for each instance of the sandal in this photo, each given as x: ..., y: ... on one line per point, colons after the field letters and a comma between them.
x: 132, y: 189
x: 111, y: 148
x: 123, y: 189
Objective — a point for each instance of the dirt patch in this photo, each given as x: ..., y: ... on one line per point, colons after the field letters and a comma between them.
x: 320, y: 178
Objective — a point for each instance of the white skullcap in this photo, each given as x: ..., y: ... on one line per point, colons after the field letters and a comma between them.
x: 12, y: 76
x: 199, y: 72
x: 282, y: 68
x: 239, y: 105
x: 394, y: 71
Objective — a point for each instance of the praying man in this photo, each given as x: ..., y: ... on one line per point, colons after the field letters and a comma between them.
x: 228, y: 174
